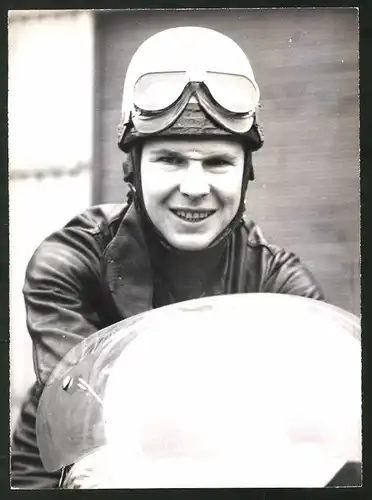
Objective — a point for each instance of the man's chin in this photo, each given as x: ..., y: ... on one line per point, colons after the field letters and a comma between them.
x: 190, y: 244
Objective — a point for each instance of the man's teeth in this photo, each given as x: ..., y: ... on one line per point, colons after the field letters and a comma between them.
x: 192, y: 216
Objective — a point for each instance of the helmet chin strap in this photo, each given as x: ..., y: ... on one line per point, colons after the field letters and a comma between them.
x: 133, y: 178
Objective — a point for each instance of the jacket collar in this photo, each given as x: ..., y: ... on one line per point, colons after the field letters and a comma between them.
x: 127, y: 268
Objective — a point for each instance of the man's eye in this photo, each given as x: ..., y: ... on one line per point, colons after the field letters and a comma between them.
x: 170, y: 160
x: 216, y: 162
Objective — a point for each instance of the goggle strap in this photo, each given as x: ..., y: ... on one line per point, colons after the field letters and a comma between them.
x: 251, y: 174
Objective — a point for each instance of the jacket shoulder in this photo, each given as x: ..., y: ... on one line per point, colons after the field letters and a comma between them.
x: 254, y: 236
x: 277, y: 269
x: 255, y: 239
x: 78, y: 244
x: 99, y: 220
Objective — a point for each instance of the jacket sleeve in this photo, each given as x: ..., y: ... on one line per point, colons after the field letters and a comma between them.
x: 61, y: 281
x: 286, y: 274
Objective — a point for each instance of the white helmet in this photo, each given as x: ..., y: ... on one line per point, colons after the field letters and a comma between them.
x: 189, y: 68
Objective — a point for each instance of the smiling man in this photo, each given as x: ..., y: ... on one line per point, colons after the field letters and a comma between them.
x: 187, y: 132
x: 192, y: 188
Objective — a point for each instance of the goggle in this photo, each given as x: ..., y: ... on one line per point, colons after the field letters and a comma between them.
x: 160, y: 98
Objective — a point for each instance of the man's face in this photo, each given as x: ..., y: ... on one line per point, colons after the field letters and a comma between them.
x: 191, y: 188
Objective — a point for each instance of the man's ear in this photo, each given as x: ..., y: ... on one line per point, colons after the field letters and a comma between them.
x: 127, y: 168
x: 131, y: 172
x: 248, y: 164
x: 131, y: 161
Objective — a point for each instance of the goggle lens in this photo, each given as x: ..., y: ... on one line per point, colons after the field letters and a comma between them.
x: 155, y: 92
x: 235, y: 93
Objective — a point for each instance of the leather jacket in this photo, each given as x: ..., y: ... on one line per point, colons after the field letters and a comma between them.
x: 96, y: 271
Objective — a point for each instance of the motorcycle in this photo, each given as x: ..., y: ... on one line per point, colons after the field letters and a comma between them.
x: 244, y: 390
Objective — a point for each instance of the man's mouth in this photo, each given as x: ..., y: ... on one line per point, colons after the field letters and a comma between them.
x: 193, y: 215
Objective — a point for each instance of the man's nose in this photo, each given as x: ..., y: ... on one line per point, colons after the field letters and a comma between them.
x: 194, y: 182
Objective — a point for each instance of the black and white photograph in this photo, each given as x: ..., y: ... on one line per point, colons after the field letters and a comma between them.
x: 184, y: 231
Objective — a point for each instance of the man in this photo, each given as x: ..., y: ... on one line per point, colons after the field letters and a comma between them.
x: 188, y: 131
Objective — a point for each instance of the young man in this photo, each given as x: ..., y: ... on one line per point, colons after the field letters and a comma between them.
x: 188, y: 131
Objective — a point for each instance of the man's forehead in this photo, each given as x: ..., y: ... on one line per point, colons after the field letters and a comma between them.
x: 207, y: 146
